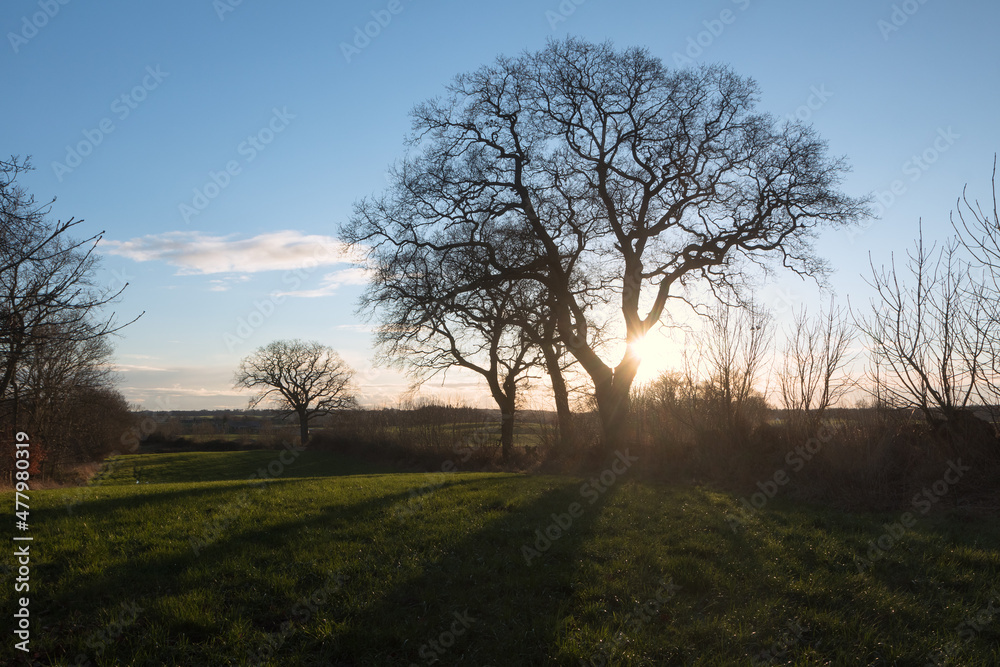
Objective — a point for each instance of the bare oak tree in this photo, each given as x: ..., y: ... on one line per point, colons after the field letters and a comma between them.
x: 633, y: 183
x: 306, y: 378
x: 427, y: 327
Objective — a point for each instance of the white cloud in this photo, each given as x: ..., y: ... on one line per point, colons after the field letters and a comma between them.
x: 194, y: 253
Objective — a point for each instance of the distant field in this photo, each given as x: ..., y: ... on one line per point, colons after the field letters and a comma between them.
x: 526, y: 434
x: 339, y: 562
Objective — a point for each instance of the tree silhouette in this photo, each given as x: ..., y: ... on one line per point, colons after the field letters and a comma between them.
x: 631, y: 183
x: 49, y: 296
x: 306, y: 378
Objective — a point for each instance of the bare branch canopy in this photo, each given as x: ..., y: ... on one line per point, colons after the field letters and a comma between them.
x: 304, y: 377
x: 622, y: 182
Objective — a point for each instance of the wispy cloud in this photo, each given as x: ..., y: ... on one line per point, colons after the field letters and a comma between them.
x: 129, y: 368
x: 331, y: 282
x: 223, y: 284
x: 177, y: 390
x: 194, y: 253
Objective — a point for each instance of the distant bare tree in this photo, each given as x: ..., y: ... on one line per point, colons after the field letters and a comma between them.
x: 305, y: 378
x: 812, y: 375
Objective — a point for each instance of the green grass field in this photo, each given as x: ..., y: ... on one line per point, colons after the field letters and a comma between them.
x: 526, y: 433
x: 336, y: 562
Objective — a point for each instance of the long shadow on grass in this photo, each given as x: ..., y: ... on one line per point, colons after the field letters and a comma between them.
x: 233, y: 466
x: 466, y: 560
x: 233, y: 540
x: 498, y: 593
x: 207, y: 496
x: 788, y: 561
x: 180, y: 571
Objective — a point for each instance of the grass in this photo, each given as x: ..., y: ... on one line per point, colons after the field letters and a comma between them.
x: 336, y: 562
x: 526, y: 434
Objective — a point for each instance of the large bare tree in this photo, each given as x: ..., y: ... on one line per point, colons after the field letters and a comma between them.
x: 633, y: 181
x: 303, y: 377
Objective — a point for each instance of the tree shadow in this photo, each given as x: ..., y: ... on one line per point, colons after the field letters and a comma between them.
x: 183, y: 467
x: 383, y: 616
x: 510, y: 583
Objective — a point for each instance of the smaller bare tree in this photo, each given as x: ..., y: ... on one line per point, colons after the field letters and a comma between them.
x: 926, y: 334
x: 733, y: 350
x: 304, y: 377
x: 812, y: 375
x: 979, y: 234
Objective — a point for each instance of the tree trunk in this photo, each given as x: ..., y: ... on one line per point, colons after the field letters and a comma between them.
x: 614, y: 402
x: 506, y: 429
x: 505, y: 396
x: 567, y: 434
x: 303, y: 428
x: 561, y: 395
x: 613, y: 405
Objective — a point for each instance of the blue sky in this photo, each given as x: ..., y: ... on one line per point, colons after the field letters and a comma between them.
x: 219, y: 144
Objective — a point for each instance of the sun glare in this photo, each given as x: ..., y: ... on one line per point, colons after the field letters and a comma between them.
x: 657, y: 353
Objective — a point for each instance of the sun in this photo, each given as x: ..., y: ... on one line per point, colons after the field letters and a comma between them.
x: 657, y: 353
